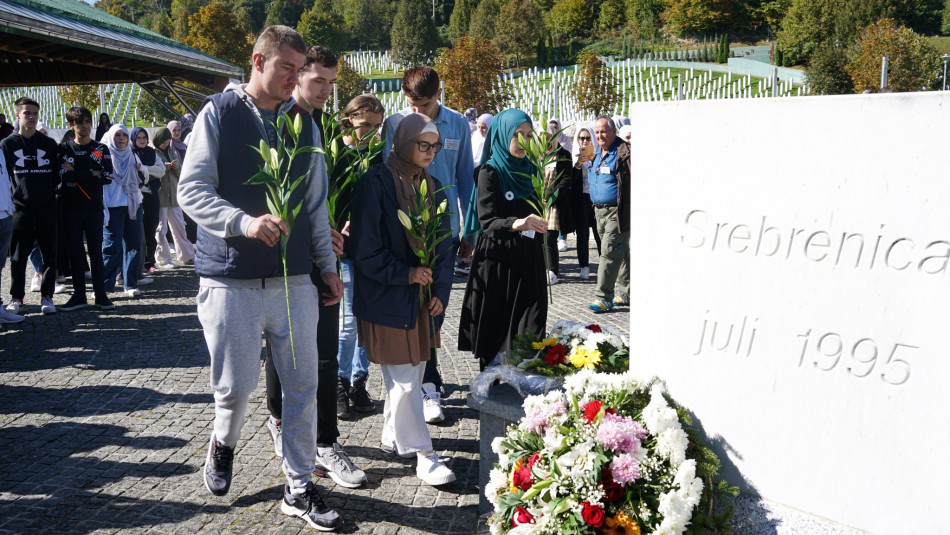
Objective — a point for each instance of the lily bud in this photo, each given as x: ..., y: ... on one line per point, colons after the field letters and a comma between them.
x: 298, y: 124
x: 404, y: 219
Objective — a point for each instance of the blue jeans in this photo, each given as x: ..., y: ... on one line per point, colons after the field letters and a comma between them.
x: 353, y: 362
x: 121, y: 246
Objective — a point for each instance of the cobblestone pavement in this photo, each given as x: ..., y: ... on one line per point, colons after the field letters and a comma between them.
x: 105, y: 418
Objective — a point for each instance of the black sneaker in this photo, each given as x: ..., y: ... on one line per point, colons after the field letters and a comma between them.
x: 103, y: 303
x: 218, y: 465
x: 76, y: 301
x: 310, y: 507
x: 360, y: 397
x: 342, y: 400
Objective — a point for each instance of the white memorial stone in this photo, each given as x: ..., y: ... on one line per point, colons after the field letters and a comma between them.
x: 801, y: 313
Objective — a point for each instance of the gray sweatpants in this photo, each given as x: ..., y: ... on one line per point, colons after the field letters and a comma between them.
x: 233, y: 314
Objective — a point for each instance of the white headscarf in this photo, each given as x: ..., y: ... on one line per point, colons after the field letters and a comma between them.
x: 624, y: 130
x: 123, y: 167
x: 478, y: 140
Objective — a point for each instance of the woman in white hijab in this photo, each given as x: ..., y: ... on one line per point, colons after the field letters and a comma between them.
x: 122, y: 202
x: 479, y: 136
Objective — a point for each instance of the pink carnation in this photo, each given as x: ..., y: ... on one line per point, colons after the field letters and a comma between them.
x: 625, y: 468
x: 537, y: 420
x: 620, y: 434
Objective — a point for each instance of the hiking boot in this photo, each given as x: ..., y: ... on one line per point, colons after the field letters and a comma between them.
x: 360, y: 397
x: 76, y: 301
x: 218, y: 466
x: 432, y: 404
x: 273, y: 425
x: 342, y: 399
x: 309, y: 506
x: 334, y: 462
x: 432, y: 470
x: 599, y: 306
x: 621, y: 302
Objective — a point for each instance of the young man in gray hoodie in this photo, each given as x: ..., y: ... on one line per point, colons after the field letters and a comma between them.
x: 241, y: 290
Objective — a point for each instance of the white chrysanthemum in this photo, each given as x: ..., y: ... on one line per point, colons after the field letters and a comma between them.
x: 676, y: 512
x: 497, y: 482
x: 691, y: 487
x: 496, y: 528
x: 658, y: 415
x: 576, y: 383
x: 497, y: 446
x: 672, y: 444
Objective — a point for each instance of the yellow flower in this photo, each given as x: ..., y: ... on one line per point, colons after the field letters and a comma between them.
x: 621, y: 525
x: 584, y: 358
x: 547, y: 342
x: 511, y: 479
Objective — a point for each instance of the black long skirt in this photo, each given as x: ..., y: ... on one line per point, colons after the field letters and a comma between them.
x: 506, y: 294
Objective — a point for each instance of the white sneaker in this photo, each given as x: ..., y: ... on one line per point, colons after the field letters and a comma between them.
x: 61, y: 278
x: 561, y: 244
x: 133, y: 292
x: 9, y: 317
x: 145, y: 281
x: 47, y: 306
x: 167, y: 265
x: 431, y: 404
x: 553, y: 278
x: 585, y: 273
x: 36, y: 283
x: 15, y: 306
x: 59, y: 288
x: 431, y: 470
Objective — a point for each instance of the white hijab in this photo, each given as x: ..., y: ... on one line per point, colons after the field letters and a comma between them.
x: 123, y: 167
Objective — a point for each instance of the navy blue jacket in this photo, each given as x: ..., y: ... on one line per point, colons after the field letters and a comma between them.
x: 382, y: 255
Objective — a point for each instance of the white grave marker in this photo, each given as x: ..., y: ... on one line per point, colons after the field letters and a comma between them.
x: 802, y: 311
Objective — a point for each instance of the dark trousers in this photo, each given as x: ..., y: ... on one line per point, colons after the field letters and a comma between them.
x: 328, y: 332
x: 150, y: 220
x: 552, y: 252
x: 431, y: 373
x: 33, y: 225
x: 62, y: 258
x: 89, y: 224
x: 585, y: 225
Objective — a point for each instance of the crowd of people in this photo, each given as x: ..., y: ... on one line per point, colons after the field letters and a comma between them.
x: 121, y: 198
x: 86, y: 208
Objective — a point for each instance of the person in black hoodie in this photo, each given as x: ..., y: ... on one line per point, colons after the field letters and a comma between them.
x: 33, y: 164
x: 87, y: 166
x: 104, y: 125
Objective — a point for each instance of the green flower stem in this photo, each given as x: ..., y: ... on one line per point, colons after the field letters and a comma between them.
x: 547, y: 267
x: 283, y: 259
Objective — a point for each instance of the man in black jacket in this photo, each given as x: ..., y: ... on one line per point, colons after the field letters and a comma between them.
x: 86, y: 167
x: 33, y: 164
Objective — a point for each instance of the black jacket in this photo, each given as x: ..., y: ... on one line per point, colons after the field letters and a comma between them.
x: 33, y: 164
x: 382, y: 256
x: 80, y: 189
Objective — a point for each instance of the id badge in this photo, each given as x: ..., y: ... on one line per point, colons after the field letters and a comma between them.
x: 451, y: 144
x: 604, y: 170
x: 528, y: 234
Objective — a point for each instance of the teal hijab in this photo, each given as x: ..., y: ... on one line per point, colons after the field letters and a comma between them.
x: 511, y: 171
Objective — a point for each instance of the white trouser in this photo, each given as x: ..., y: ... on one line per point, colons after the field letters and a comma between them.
x: 403, y: 421
x: 172, y: 218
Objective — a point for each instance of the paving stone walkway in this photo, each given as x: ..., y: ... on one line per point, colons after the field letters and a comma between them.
x: 105, y: 418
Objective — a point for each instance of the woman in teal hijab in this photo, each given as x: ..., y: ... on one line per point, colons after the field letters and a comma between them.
x: 505, y: 295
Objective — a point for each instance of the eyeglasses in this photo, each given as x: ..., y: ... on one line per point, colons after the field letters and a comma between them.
x: 426, y: 147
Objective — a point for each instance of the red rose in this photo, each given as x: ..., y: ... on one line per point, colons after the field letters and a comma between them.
x: 594, y: 328
x: 556, y: 354
x: 593, y: 514
x: 610, y: 411
x: 533, y: 459
x: 521, y: 516
x: 522, y: 478
x: 592, y: 409
x: 613, y: 491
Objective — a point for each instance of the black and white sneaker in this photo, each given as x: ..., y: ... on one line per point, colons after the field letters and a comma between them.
x: 310, y: 507
x: 218, y: 466
x: 76, y: 301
